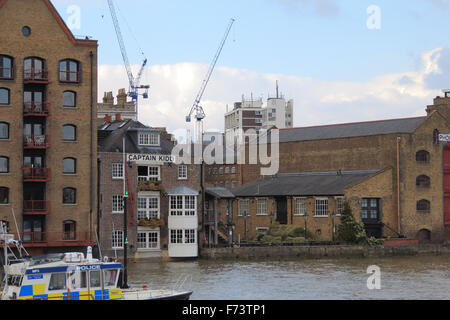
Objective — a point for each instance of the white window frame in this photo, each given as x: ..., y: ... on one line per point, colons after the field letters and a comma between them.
x: 148, y: 245
x: 300, y: 210
x: 147, y: 211
x: 149, y: 176
x: 149, y: 139
x: 183, y: 205
x: 321, y: 204
x: 261, y: 207
x: 244, y: 205
x: 117, y: 203
x: 117, y: 171
x: 117, y: 239
x: 176, y: 236
x: 190, y: 236
x: 182, y: 172
x: 339, y: 206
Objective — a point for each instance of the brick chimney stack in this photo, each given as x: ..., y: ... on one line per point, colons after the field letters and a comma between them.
x: 107, y: 118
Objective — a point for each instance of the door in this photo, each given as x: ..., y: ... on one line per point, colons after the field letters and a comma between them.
x: 370, y: 216
x: 33, y: 229
x: 282, y: 216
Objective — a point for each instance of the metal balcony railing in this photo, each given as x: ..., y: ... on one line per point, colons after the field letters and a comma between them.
x: 36, y: 207
x: 35, y: 75
x: 36, y: 108
x: 36, y: 141
x: 36, y: 174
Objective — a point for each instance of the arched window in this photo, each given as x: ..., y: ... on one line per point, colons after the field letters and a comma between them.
x: 4, y: 130
x: 34, y: 69
x: 69, y: 229
x: 69, y: 132
x: 424, y: 235
x: 69, y: 71
x: 4, y: 164
x: 436, y: 136
x: 4, y: 195
x: 69, y: 196
x: 423, y: 181
x: 69, y: 166
x: 423, y: 206
x: 69, y: 99
x: 423, y: 156
x: 4, y: 96
x: 6, y: 67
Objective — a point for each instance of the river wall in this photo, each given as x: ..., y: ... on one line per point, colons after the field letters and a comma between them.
x: 318, y: 252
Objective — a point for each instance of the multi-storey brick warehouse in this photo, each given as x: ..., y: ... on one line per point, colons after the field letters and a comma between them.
x: 411, y: 198
x: 48, y: 83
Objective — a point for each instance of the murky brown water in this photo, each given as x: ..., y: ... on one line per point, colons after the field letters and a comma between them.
x: 425, y: 277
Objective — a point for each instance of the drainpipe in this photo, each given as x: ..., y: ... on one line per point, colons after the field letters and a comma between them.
x: 91, y: 171
x: 398, y: 185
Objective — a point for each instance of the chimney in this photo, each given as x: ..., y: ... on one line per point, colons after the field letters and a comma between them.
x: 107, y: 118
x: 118, y: 117
x: 121, y: 98
x: 108, y: 98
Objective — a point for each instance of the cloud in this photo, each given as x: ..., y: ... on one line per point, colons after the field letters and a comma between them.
x: 443, y: 4
x: 320, y: 7
x: 316, y: 102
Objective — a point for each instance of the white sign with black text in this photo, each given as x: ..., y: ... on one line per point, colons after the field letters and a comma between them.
x: 150, y: 158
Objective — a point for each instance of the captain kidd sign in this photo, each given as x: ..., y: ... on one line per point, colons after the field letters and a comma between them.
x: 444, y: 137
x: 150, y: 158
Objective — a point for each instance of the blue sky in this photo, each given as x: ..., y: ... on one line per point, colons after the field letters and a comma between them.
x: 325, y: 41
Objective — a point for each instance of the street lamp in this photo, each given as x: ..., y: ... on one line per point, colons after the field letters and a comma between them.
x: 333, y: 215
x: 306, y: 220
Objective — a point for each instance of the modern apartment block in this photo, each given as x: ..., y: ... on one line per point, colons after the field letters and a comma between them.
x: 48, y: 140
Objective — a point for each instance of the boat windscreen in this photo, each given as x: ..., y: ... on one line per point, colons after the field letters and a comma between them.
x: 48, y: 258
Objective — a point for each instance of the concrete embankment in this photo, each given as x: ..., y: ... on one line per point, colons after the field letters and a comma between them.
x: 318, y: 252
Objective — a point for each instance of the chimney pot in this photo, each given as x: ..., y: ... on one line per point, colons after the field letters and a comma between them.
x: 107, y: 118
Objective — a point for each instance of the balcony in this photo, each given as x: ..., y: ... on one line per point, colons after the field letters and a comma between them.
x: 36, y: 207
x: 56, y: 239
x: 36, y: 141
x: 39, y: 76
x: 38, y: 109
x: 36, y: 174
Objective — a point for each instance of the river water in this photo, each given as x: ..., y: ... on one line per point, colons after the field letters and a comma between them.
x: 416, y: 278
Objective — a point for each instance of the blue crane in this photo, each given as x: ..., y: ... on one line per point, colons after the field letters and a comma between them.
x: 135, y: 85
x: 196, y: 110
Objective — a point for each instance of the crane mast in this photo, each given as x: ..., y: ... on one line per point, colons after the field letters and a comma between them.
x: 196, y: 109
x: 134, y: 83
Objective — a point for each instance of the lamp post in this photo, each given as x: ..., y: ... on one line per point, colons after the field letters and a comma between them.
x: 333, y: 215
x: 306, y: 227
x: 245, y: 225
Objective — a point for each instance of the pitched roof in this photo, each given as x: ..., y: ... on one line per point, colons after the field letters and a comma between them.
x: 346, y: 130
x: 220, y: 193
x: 303, y: 184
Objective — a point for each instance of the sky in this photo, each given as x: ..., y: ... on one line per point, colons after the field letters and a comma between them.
x: 339, y: 60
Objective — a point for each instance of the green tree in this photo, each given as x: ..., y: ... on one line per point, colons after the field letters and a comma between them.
x: 350, y: 230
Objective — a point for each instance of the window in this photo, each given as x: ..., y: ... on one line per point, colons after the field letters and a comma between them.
x: 4, y: 195
x: 69, y: 196
x: 26, y: 31
x: 4, y: 130
x: 117, y: 171
x: 227, y: 170
x: 262, y: 207
x: 369, y: 209
x: 321, y: 207
x: 57, y: 282
x: 69, y: 166
x: 69, y: 99
x: 149, y: 139
x: 148, y: 240
x: 423, y: 156
x: 69, y: 230
x: 423, y: 206
x: 94, y: 277
x: 34, y: 69
x: 6, y: 67
x: 423, y: 181
x: 182, y: 172
x: 176, y: 236
x: 146, y: 173
x: 220, y: 170
x: 233, y: 170
x: 244, y: 207
x: 110, y: 277
x: 117, y: 239
x: 189, y: 236
x: 183, y: 205
x: 69, y: 132
x: 4, y: 96
x: 69, y: 71
x: 339, y: 205
x: 4, y: 165
x: 436, y: 136
x: 300, y: 206
x: 117, y: 204
x: 148, y: 207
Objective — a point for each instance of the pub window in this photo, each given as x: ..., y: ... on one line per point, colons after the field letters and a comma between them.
x: 117, y: 239
x: 423, y: 206
x: 69, y: 99
x: 69, y: 196
x: 69, y: 71
x: 69, y: 166
x: 4, y: 96
x: 4, y: 195
x: 4, y: 130
x: 4, y: 165
x: 423, y: 156
x: 423, y: 181
x: 6, y: 67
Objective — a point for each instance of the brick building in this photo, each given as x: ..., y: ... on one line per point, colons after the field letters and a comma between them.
x: 48, y: 140
x: 164, y: 198
x: 408, y: 191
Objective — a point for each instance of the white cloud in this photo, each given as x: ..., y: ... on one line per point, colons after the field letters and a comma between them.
x: 316, y: 102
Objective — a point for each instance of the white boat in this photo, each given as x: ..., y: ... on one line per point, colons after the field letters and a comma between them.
x: 72, y: 276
